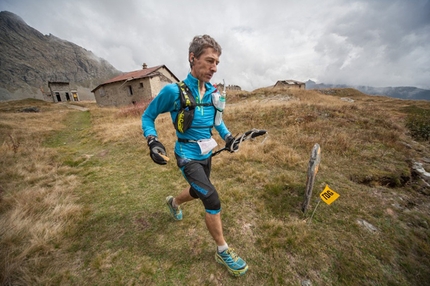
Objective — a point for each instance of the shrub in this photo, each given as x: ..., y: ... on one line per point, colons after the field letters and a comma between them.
x: 134, y: 110
x: 418, y: 123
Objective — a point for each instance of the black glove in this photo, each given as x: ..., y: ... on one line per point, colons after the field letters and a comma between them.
x: 231, y: 144
x: 155, y: 149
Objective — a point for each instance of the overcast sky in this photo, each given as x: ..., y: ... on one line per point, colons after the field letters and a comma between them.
x: 366, y: 42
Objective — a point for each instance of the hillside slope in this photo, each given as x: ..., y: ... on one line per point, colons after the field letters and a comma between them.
x: 29, y: 59
x: 81, y: 200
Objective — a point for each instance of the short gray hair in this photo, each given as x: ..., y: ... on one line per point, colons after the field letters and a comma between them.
x: 200, y: 43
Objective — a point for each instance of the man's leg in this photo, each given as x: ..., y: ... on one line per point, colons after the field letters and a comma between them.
x: 214, y: 225
x: 197, y: 174
x: 174, y: 203
x: 228, y: 257
x: 183, y: 197
x: 213, y: 221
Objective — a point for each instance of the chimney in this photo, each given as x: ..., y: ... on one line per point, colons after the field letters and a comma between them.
x: 144, y: 66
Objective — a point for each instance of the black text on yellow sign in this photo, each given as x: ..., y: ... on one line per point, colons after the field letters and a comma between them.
x: 328, y: 195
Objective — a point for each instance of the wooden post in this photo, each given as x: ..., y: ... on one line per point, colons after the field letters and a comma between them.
x: 314, y: 163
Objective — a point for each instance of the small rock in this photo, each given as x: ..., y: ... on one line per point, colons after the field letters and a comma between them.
x: 390, y: 212
x: 30, y: 109
x: 418, y: 167
x: 367, y: 225
x: 407, y: 145
x: 103, y: 153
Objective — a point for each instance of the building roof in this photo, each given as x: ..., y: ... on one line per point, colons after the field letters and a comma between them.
x: 142, y: 73
x: 57, y: 82
x: 289, y: 81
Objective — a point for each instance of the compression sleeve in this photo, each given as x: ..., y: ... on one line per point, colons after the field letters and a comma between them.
x: 222, y: 130
x: 163, y: 102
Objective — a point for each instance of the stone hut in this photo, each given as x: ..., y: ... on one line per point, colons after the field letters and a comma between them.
x: 132, y: 87
x: 61, y: 91
x: 289, y: 83
x: 220, y: 87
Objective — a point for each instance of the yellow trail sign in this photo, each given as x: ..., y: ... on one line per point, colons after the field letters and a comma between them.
x: 328, y: 195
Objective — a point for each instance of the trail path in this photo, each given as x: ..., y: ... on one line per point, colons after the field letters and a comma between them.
x: 75, y: 107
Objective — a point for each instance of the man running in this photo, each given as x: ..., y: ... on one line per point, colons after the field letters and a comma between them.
x: 194, y: 146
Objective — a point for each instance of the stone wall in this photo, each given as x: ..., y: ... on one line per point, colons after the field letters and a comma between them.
x: 158, y: 82
x: 133, y: 91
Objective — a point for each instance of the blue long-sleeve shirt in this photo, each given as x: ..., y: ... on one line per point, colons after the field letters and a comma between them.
x: 168, y: 101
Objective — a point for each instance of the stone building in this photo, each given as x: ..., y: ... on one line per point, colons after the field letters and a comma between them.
x: 132, y: 87
x: 220, y: 87
x: 290, y: 84
x: 61, y: 91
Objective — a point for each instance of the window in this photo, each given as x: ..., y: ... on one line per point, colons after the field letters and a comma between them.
x: 130, y: 90
x: 141, y: 85
x: 102, y: 92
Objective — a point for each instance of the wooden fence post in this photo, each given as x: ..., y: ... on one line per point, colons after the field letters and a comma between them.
x: 314, y: 163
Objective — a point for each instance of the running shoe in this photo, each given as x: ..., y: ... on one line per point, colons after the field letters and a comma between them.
x: 176, y: 212
x: 235, y: 265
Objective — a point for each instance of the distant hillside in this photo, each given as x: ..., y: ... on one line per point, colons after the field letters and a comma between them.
x: 29, y: 59
x: 402, y: 92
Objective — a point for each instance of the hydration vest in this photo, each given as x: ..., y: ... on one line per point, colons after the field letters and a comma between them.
x: 188, y: 105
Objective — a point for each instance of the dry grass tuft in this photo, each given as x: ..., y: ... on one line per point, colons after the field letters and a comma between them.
x: 38, y: 204
x: 134, y: 110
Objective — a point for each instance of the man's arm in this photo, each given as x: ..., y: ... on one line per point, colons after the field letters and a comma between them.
x: 163, y: 102
x: 222, y: 130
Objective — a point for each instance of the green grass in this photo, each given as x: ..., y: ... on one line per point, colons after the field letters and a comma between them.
x: 119, y: 231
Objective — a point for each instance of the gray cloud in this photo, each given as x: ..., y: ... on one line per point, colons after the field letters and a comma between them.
x: 363, y: 42
x: 379, y: 43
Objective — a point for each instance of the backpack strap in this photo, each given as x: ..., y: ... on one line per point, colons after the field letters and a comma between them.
x: 186, y: 97
x: 185, y: 115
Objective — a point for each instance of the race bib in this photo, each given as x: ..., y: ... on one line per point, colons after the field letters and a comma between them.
x: 206, y: 145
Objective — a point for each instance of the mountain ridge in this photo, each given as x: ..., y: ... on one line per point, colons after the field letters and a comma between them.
x: 401, y: 92
x: 29, y: 60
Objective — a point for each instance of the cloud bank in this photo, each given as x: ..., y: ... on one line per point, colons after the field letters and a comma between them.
x: 365, y: 42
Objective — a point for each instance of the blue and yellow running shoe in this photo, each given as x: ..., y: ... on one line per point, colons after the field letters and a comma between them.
x: 235, y: 265
x: 176, y: 212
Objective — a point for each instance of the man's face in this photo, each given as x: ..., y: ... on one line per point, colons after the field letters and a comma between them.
x: 205, y: 66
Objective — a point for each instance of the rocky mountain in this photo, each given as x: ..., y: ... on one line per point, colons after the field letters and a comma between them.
x: 29, y: 59
x: 402, y: 92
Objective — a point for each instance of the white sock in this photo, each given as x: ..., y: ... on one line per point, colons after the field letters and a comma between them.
x: 174, y: 203
x: 221, y: 248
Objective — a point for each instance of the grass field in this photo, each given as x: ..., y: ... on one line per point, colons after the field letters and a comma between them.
x: 82, y: 203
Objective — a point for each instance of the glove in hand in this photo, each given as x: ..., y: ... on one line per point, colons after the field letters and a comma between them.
x: 155, y: 149
x: 231, y: 144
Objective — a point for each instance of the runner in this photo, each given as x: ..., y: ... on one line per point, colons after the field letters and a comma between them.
x: 193, y: 113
